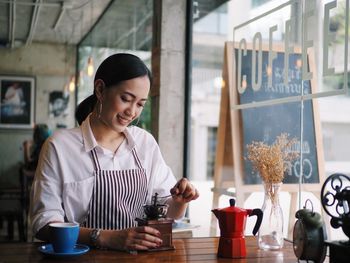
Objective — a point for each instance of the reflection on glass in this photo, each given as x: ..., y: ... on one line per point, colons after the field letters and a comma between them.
x: 321, y: 125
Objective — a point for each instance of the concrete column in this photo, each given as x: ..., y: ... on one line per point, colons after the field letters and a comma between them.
x: 168, y: 68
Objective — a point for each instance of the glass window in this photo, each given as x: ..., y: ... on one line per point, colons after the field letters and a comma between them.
x: 256, y: 3
x: 309, y: 101
x: 214, y: 22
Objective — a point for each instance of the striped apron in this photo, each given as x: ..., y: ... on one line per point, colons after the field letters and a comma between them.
x: 118, y: 196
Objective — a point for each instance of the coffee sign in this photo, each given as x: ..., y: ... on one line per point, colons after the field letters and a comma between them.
x: 297, y: 34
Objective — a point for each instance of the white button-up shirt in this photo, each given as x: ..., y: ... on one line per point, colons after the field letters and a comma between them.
x: 64, y: 178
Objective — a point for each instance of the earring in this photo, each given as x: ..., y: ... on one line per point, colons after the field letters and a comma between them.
x: 100, y: 111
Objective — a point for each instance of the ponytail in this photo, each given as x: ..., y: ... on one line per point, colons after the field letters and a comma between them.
x: 85, y: 108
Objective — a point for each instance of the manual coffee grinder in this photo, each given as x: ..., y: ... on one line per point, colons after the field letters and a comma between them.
x: 155, y: 216
x: 335, y: 198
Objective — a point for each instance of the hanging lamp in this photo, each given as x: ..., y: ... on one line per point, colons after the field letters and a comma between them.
x: 90, y: 64
x: 90, y: 67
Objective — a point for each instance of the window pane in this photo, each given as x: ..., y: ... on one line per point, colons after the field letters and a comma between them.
x: 309, y: 101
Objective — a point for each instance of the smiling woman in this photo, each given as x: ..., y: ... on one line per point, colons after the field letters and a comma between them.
x: 102, y: 173
x: 113, y: 71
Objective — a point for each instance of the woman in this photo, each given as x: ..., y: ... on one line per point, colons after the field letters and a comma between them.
x: 101, y: 173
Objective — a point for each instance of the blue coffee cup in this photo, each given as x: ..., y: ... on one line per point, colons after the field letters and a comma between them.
x: 63, y: 236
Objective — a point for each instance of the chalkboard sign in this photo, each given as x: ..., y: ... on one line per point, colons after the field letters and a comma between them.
x: 265, y: 123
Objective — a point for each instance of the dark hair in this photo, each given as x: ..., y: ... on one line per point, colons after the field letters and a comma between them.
x: 113, y: 70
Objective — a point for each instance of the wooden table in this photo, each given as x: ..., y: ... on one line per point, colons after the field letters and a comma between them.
x: 187, y: 250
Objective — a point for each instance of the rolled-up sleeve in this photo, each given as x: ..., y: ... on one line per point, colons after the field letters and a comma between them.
x: 46, y: 192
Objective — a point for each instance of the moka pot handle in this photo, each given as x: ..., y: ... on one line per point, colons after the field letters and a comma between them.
x: 259, y: 213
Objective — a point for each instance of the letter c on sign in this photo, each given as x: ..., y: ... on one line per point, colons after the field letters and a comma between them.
x: 241, y: 84
x: 307, y: 167
x: 257, y: 78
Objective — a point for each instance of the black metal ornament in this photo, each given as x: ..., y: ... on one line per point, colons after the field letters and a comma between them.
x: 335, y: 199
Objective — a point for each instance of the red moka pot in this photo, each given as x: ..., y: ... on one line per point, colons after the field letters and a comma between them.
x: 232, y: 222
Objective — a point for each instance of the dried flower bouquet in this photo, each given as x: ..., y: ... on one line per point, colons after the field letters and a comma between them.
x: 271, y: 161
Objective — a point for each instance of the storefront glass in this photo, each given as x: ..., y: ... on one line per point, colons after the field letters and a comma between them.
x: 308, y: 101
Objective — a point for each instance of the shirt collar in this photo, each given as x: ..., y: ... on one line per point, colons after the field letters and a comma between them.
x: 88, y: 137
x: 90, y: 142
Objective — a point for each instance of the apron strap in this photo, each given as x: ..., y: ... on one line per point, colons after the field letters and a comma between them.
x: 95, y: 160
x: 137, y: 159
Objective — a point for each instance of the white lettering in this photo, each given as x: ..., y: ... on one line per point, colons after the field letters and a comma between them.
x: 287, y: 50
x: 307, y: 168
x: 296, y: 147
x: 257, y: 78
x: 286, y: 74
x: 327, y: 36
x: 241, y: 88
x: 309, y: 12
x: 272, y: 54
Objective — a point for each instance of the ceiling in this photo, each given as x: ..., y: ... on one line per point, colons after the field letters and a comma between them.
x: 105, y: 23
x: 52, y: 21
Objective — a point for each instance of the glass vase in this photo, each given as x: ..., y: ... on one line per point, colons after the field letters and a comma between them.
x: 270, y: 236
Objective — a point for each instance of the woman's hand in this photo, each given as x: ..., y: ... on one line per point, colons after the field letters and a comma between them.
x: 184, y: 191
x: 138, y: 238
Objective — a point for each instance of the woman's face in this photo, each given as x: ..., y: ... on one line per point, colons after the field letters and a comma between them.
x: 124, y: 103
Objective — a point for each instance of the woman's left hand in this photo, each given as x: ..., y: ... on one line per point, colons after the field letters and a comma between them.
x: 184, y: 191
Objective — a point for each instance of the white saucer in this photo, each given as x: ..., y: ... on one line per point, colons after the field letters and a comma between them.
x: 78, y: 250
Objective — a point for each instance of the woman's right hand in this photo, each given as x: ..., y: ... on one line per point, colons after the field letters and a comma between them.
x: 137, y: 238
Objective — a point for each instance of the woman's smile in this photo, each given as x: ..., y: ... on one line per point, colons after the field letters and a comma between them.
x: 123, y: 120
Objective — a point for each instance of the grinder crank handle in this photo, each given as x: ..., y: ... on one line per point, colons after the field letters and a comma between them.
x: 259, y: 213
